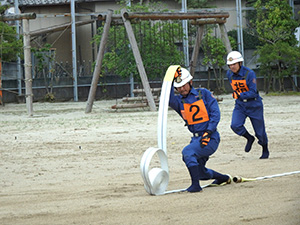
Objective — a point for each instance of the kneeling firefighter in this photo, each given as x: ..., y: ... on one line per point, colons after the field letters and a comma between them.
x: 200, y: 111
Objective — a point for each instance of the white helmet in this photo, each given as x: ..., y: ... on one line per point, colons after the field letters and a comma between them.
x: 234, y: 57
x: 183, y: 78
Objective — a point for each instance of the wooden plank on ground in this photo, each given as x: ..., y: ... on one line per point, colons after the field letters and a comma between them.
x: 139, y: 91
x: 138, y: 98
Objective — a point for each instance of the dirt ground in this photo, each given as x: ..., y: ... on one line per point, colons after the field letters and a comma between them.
x: 63, y: 166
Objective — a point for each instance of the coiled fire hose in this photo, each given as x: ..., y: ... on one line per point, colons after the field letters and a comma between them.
x: 156, y: 179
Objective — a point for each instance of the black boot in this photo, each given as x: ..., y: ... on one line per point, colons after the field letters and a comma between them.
x: 250, y: 140
x: 194, y: 173
x: 221, y: 178
x: 265, y: 152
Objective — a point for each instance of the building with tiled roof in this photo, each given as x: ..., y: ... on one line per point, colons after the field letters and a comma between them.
x: 43, y: 2
x: 53, y: 2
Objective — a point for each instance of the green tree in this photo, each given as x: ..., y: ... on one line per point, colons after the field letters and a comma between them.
x: 45, y: 58
x: 274, y: 21
x: 156, y: 41
x: 10, y: 45
x: 214, y: 50
x: 250, y: 40
x: 279, y: 55
x: 197, y: 4
x: 278, y: 60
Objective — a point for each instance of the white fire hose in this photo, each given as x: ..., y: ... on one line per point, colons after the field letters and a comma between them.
x: 238, y: 179
x: 156, y: 179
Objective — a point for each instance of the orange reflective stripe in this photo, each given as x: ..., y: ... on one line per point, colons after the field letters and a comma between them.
x: 235, y: 95
x: 195, y: 113
x: 183, y: 114
x: 239, y: 86
x: 205, y: 139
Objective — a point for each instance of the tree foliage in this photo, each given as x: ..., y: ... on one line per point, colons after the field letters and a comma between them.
x: 197, y: 4
x: 279, y: 55
x: 274, y: 21
x: 214, y: 50
x: 10, y: 46
x: 250, y: 40
x: 278, y: 60
x: 156, y: 41
x: 44, y: 58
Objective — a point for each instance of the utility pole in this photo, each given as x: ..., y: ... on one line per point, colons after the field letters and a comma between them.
x: 291, y: 2
x: 185, y: 32
x: 239, y: 22
x: 17, y: 11
x: 74, y: 60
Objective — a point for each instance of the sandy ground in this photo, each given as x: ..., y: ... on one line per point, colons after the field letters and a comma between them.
x: 63, y: 166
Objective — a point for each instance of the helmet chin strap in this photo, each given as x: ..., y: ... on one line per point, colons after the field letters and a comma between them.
x: 189, y: 90
x: 240, y: 65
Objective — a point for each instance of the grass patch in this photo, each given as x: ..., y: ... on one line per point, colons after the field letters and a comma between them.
x: 287, y: 93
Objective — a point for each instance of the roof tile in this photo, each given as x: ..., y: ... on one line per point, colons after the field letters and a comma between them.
x: 42, y: 2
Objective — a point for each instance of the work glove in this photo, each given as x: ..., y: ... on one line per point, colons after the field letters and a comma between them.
x: 205, y: 138
x: 235, y: 95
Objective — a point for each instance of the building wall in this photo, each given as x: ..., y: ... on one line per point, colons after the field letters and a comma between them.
x: 47, y: 17
x: 230, y: 7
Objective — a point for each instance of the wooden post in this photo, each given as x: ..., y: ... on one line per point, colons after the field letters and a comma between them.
x: 17, y: 17
x: 208, y: 21
x: 224, y: 37
x: 27, y: 66
x: 173, y: 16
x: 135, y: 16
x: 98, y: 65
x: 139, y: 62
x: 194, y: 58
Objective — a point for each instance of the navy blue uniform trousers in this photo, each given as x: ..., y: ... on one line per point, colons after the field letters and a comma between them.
x: 194, y: 155
x: 255, y: 111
